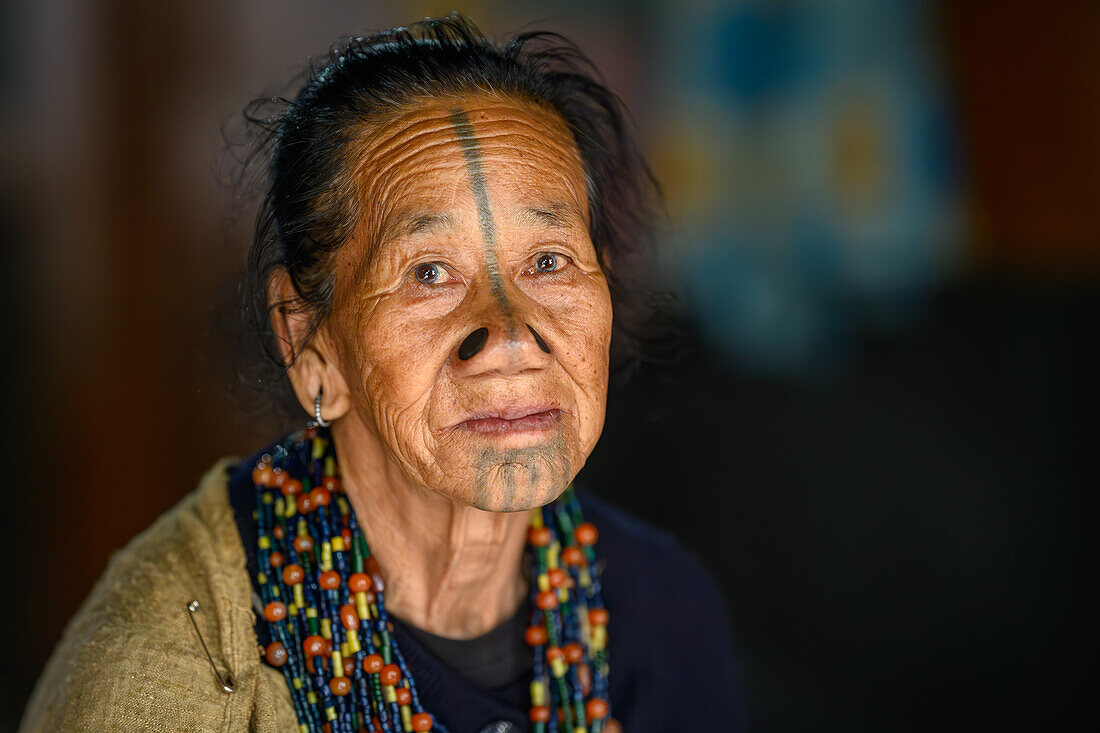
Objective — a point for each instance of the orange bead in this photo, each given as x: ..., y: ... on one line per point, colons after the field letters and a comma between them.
x: 573, y: 653
x: 346, y: 534
x: 313, y: 646
x: 276, y: 559
x: 539, y: 536
x: 359, y: 583
x: 598, y: 616
x: 279, y: 532
x: 375, y: 573
x: 390, y: 674
x: 275, y: 654
x: 421, y: 722
x: 596, y: 708
x: 584, y: 677
x: 612, y: 726
x: 535, y: 635
x: 303, y: 543
x: 320, y: 496
x: 329, y: 580
x: 349, y: 666
x: 340, y: 686
x: 263, y: 474
x: 331, y: 483
x: 586, y: 534
x: 404, y: 697
x: 275, y: 611
x: 291, y: 486
x: 547, y: 600
x: 372, y: 663
x: 572, y: 556
x: 305, y: 504
x: 539, y: 714
x: 349, y: 616
x: 557, y: 577
x: 293, y: 574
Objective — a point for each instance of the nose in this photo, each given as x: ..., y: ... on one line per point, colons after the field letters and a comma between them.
x: 502, y: 341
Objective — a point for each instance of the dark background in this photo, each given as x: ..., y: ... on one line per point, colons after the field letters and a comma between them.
x: 898, y: 508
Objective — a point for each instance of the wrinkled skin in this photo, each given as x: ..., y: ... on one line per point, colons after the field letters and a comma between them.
x: 475, y: 216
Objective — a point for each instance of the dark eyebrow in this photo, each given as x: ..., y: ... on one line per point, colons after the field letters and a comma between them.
x: 414, y: 222
x: 556, y: 216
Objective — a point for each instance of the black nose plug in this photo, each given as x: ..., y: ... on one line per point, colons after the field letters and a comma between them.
x: 472, y: 344
x: 538, y: 339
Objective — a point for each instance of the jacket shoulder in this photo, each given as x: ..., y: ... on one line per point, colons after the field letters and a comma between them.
x: 131, y: 658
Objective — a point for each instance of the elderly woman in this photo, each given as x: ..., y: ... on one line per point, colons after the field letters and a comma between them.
x: 439, y: 269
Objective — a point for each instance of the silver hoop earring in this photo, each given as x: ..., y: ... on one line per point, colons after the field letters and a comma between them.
x: 317, y: 421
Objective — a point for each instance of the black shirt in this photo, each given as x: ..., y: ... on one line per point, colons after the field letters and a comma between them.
x: 668, y: 645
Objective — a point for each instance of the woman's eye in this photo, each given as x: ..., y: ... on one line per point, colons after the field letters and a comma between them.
x: 547, y: 262
x: 427, y: 274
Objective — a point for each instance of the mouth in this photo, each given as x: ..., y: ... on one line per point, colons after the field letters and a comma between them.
x: 511, y: 420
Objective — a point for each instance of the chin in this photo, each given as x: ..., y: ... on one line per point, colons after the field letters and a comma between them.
x: 518, y: 479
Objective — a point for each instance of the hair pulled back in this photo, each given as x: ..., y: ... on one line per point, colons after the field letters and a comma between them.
x: 310, y: 207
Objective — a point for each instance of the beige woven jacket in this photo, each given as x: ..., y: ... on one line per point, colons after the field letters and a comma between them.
x: 130, y: 659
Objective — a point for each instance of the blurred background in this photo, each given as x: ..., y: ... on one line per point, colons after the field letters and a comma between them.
x: 879, y: 437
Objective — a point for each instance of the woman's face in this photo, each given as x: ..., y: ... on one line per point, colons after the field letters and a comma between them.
x: 471, y: 318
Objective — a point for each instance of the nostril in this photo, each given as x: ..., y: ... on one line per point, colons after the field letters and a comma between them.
x: 473, y: 344
x: 538, y: 339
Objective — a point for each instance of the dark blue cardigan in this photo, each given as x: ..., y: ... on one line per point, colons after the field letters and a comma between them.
x: 671, y: 666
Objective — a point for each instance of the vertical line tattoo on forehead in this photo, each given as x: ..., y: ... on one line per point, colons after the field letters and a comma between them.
x: 464, y: 131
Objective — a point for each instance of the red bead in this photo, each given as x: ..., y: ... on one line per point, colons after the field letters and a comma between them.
x: 291, y: 486
x: 573, y: 653
x: 611, y: 726
x: 331, y: 483
x: 598, y: 616
x: 375, y: 573
x: 305, y: 504
x: 329, y: 580
x: 535, y: 635
x: 404, y: 697
x: 359, y: 583
x: 349, y: 666
x: 421, y: 722
x: 539, y: 536
x: 554, y: 652
x: 346, y: 534
x: 557, y: 577
x: 349, y: 616
x: 539, y: 714
x: 586, y: 534
x: 303, y: 543
x: 390, y: 674
x: 328, y: 647
x: 320, y: 496
x: 275, y: 611
x: 263, y: 474
x: 340, y: 686
x: 572, y: 556
x: 372, y: 663
x: 276, y: 559
x: 595, y: 709
x: 313, y: 646
x: 275, y: 654
x: 293, y: 574
x: 546, y: 600
x: 278, y: 532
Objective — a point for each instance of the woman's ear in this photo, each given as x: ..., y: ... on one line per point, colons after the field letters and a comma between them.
x: 310, y: 361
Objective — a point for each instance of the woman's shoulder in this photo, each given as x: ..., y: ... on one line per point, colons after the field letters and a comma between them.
x: 131, y: 655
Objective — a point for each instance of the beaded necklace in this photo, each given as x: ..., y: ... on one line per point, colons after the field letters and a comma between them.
x: 324, y: 606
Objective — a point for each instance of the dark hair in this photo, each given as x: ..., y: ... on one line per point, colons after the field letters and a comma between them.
x: 309, y: 209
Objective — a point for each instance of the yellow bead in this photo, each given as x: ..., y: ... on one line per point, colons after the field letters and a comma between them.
x: 599, y: 638
x: 311, y: 612
x: 337, y: 663
x: 292, y: 610
x: 262, y: 577
x: 311, y: 698
x: 318, y: 448
x: 303, y: 728
x: 268, y: 498
x: 361, y: 606
x: 538, y: 694
x: 326, y: 556
x: 264, y: 543
x: 330, y: 713
x: 389, y: 693
x: 297, y: 684
x: 326, y: 628
x: 406, y: 719
x: 338, y: 543
x: 558, y: 666
x: 353, y: 642
x: 330, y: 466
x: 279, y: 506
x: 544, y: 582
x: 300, y: 599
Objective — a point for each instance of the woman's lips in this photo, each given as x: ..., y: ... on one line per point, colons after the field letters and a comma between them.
x: 513, y: 421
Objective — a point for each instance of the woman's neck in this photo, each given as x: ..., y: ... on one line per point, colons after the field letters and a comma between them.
x: 451, y: 570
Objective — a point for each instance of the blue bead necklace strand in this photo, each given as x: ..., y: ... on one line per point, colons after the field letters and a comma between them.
x: 324, y: 606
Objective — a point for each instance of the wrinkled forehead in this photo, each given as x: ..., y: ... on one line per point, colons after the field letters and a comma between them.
x: 416, y: 166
